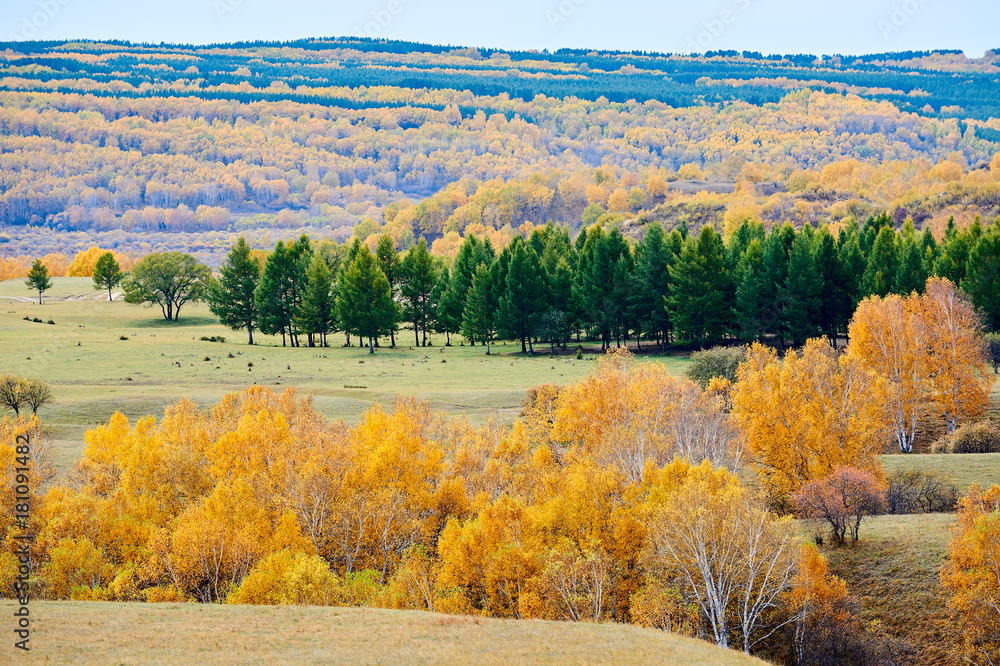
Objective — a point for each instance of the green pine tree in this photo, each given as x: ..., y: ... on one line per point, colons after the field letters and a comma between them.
x: 364, y: 299
x: 231, y: 297
x: 912, y: 273
x: 419, y: 280
x: 276, y: 294
x: 883, y: 264
x: 982, y: 279
x: 480, y: 315
x: 107, y: 273
x: 652, y: 284
x: 523, y: 295
x: 698, y: 284
x: 802, y: 290
x: 316, y: 315
x: 391, y: 265
x: 750, y: 294
x: 38, y: 279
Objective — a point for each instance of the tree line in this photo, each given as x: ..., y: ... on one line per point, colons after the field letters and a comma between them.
x: 783, y: 286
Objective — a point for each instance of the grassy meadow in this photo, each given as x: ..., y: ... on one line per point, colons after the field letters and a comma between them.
x: 131, y: 633
x: 93, y: 372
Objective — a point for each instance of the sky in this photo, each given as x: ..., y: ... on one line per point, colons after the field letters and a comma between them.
x: 769, y: 26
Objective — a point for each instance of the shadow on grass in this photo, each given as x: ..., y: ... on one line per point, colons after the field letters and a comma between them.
x: 160, y: 322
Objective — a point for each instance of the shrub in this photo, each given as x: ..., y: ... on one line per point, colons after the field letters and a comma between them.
x: 214, y: 338
x: 979, y: 437
x: 715, y: 362
x: 843, y: 500
x: 919, y: 492
x: 285, y: 577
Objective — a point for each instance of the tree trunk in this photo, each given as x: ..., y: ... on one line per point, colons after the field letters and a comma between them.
x: 371, y: 345
x: 250, y: 331
x: 524, y: 348
x: 416, y: 335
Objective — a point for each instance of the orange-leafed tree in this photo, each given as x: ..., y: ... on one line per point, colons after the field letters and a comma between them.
x: 958, y: 380
x: 807, y: 414
x: 972, y: 573
x: 890, y: 340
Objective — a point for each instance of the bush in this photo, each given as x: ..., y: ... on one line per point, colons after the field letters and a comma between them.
x: 919, y: 492
x: 214, y: 338
x: 980, y: 437
x: 843, y: 500
x: 715, y: 362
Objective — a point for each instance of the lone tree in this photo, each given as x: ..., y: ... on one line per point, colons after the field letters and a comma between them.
x: 168, y: 279
x: 364, y: 299
x: 38, y: 279
x: 107, y: 273
x: 231, y: 297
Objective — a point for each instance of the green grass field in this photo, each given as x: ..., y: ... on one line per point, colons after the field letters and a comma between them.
x: 960, y: 470
x: 93, y: 372
x: 125, y: 633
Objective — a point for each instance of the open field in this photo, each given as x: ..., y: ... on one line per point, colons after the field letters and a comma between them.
x: 960, y: 470
x: 122, y: 633
x: 93, y: 372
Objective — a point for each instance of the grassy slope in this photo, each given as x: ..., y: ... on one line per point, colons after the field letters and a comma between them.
x: 77, y: 632
x: 90, y: 381
x: 894, y: 573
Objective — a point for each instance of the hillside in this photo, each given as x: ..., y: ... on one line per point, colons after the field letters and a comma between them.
x: 124, y: 633
x: 142, y: 147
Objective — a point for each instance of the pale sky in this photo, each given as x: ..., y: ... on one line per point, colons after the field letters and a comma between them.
x: 769, y: 26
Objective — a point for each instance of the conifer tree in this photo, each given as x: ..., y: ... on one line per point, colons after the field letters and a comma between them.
x: 652, y: 278
x: 107, y: 273
x: 389, y: 262
x: 364, y: 300
x: 698, y: 280
x: 38, y: 279
x: 982, y: 278
x: 275, y: 294
x: 523, y: 296
x: 883, y: 264
x: 419, y: 277
x: 802, y: 290
x: 750, y: 294
x: 316, y: 315
x: 231, y: 297
x: 911, y: 275
x: 480, y: 314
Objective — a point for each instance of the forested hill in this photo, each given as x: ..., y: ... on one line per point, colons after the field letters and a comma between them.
x: 177, y: 146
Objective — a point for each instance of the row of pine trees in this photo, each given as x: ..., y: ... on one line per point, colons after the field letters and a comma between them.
x: 784, y: 285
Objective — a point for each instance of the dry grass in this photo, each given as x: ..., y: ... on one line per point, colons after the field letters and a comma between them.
x: 119, y: 633
x: 894, y: 573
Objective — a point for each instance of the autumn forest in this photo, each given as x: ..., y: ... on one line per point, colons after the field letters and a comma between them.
x: 747, y: 308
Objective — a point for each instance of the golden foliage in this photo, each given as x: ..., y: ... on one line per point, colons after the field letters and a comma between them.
x: 808, y: 414
x: 972, y: 572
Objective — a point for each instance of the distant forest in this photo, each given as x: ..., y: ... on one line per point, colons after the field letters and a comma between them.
x: 143, y: 147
